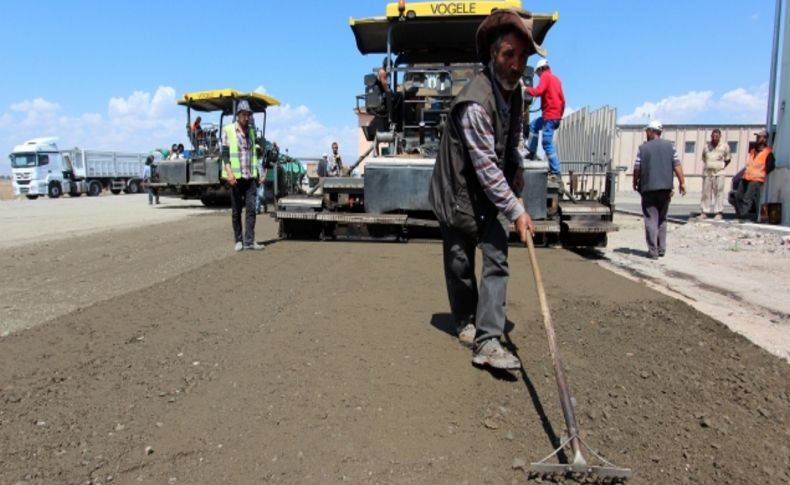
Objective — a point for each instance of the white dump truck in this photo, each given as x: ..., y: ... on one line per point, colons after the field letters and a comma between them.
x: 40, y: 168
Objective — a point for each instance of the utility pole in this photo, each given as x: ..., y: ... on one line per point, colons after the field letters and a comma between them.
x: 772, y: 77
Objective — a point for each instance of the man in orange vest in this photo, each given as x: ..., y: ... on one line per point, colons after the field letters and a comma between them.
x: 761, y: 163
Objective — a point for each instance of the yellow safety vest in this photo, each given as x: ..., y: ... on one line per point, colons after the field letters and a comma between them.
x: 233, y: 146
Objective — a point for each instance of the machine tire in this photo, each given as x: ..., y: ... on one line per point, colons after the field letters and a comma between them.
x: 133, y: 187
x: 55, y: 190
x: 115, y: 191
x: 32, y: 197
x: 94, y: 188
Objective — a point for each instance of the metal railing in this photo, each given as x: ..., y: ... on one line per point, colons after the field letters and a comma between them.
x: 586, y: 136
x: 585, y: 143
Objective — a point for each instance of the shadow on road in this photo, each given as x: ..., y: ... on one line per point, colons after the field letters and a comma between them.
x: 533, y: 394
x: 192, y: 207
x: 589, y: 253
x: 445, y: 323
x: 631, y: 252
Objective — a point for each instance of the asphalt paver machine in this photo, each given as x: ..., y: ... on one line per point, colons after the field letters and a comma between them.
x: 432, y: 52
x: 201, y: 175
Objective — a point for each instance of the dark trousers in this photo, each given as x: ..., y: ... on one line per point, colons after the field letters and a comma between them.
x: 486, y: 306
x: 242, y: 195
x: 747, y: 199
x: 655, y: 205
x: 153, y: 193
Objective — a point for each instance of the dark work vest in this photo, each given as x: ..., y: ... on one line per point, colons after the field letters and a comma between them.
x: 456, y: 196
x: 655, y: 165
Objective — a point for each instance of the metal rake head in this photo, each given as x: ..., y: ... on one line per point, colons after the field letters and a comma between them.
x: 580, y: 473
x: 579, y: 470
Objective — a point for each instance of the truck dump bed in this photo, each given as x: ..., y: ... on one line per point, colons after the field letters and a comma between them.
x: 105, y: 164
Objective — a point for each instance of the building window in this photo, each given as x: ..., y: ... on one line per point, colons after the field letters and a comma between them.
x: 733, y: 147
x: 691, y: 147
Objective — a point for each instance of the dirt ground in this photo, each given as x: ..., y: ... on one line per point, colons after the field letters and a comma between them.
x: 25, y: 222
x: 166, y: 358
x: 735, y: 273
x: 6, y: 190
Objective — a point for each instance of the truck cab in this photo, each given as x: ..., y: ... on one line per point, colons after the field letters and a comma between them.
x: 38, y: 168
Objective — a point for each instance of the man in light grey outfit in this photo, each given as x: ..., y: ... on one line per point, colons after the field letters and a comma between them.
x: 655, y: 163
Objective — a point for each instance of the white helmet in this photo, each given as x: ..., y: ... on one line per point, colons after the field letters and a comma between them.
x: 541, y: 64
x: 655, y: 125
x: 243, y: 105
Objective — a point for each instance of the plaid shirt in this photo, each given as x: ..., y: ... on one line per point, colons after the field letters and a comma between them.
x: 478, y: 135
x: 245, y: 151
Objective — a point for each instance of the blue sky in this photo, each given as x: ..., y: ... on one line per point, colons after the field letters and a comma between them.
x: 106, y: 74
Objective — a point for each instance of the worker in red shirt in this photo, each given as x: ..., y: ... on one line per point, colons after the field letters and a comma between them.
x: 552, y: 106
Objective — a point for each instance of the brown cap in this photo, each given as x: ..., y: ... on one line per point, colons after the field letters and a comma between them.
x: 762, y: 132
x: 499, y: 20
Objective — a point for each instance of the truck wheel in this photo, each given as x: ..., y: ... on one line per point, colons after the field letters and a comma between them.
x: 115, y: 191
x: 32, y: 197
x: 133, y: 187
x: 94, y: 188
x: 54, y: 191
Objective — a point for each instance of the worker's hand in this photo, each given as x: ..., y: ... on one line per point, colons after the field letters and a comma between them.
x: 232, y: 180
x: 523, y: 225
x: 682, y: 189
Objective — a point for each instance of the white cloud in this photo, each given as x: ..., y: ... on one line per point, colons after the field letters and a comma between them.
x: 298, y: 130
x: 164, y: 101
x: 140, y: 106
x: 6, y: 120
x: 260, y: 89
x: 670, y: 108
x: 739, y: 105
x: 137, y: 123
x: 745, y: 105
x: 38, y: 105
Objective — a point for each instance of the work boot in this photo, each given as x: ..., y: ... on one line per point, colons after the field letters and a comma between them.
x: 467, y: 334
x: 254, y: 246
x: 238, y: 247
x: 492, y: 354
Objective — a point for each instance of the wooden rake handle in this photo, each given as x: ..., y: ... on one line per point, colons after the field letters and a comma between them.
x: 559, y: 371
